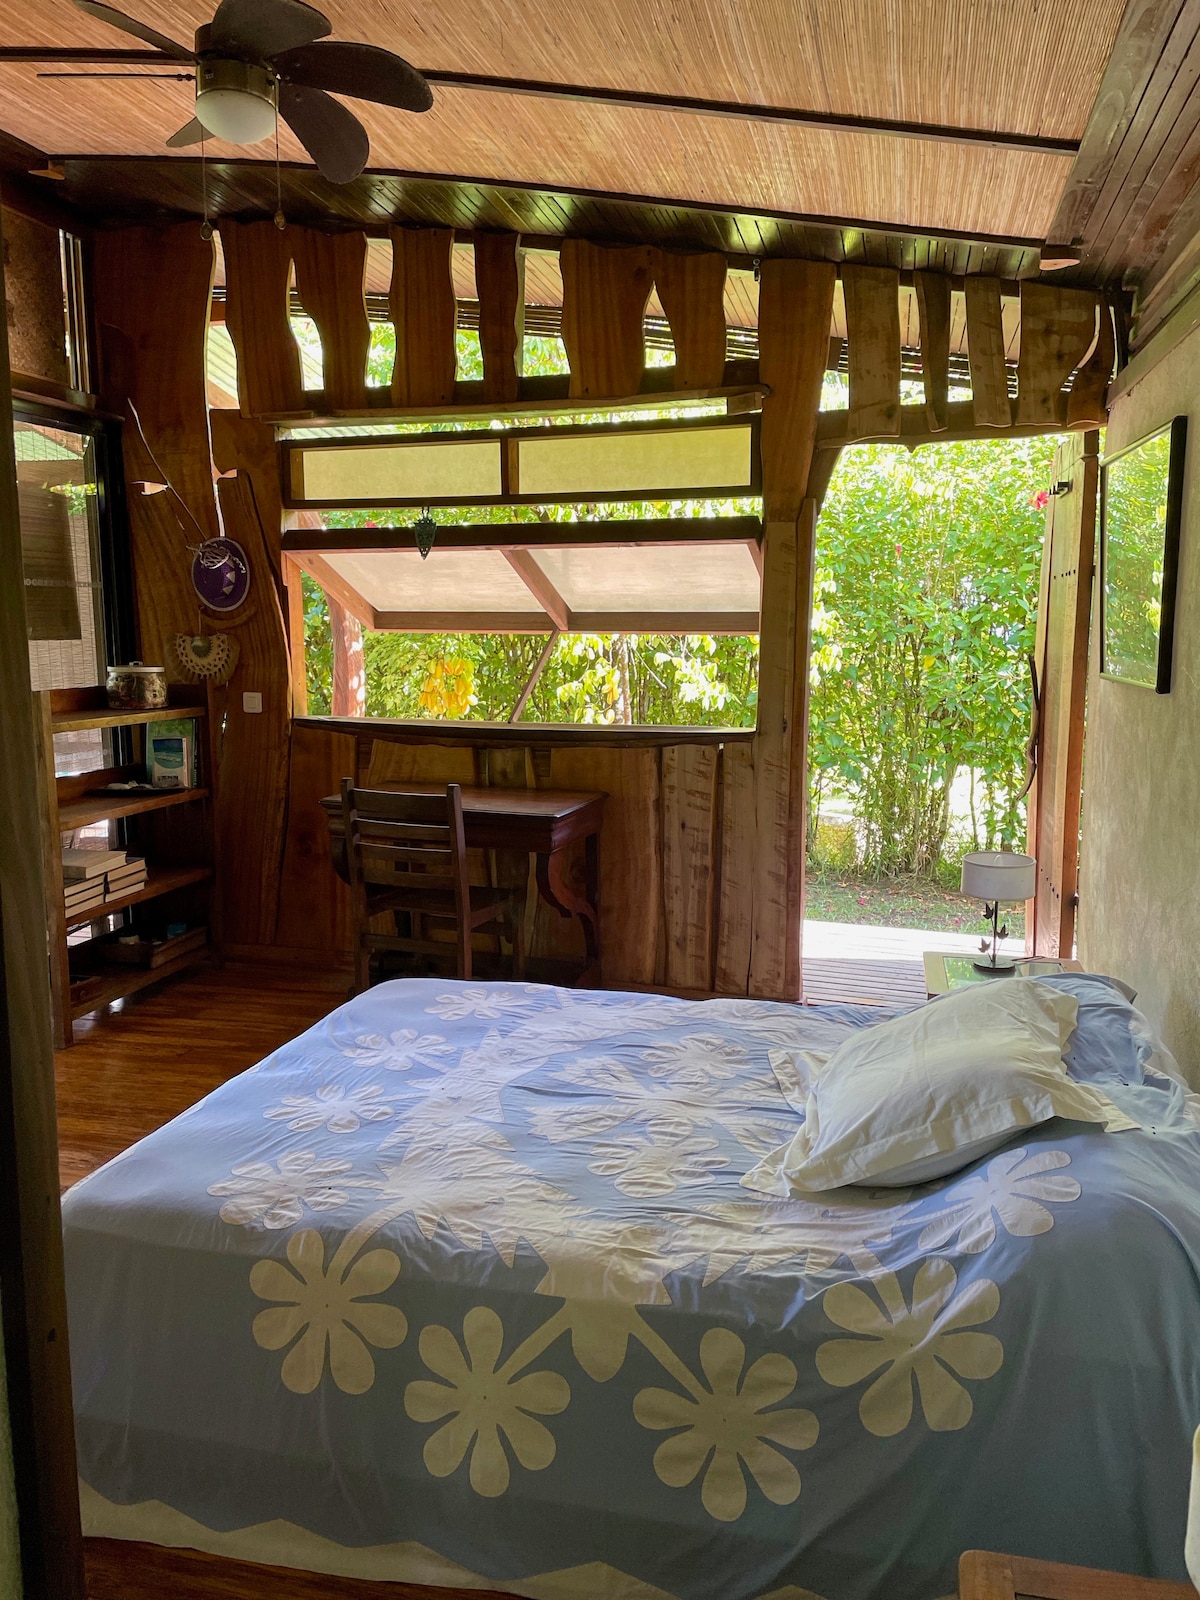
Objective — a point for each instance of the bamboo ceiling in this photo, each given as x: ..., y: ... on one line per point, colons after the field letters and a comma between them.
x: 1009, y: 67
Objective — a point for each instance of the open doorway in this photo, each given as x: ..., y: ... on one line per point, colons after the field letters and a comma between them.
x: 925, y: 620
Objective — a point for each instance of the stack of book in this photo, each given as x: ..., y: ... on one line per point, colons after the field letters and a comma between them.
x: 92, y: 877
x: 84, y: 877
x: 127, y: 879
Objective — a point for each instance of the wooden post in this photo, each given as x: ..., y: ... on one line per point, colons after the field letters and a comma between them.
x: 293, y: 580
x: 500, y: 286
x: 36, y: 1355
x: 425, y: 315
x: 761, y: 834
x: 349, y: 689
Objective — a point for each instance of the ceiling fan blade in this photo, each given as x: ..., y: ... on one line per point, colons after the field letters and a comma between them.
x: 363, y: 71
x: 191, y: 133
x: 259, y: 29
x: 333, y: 136
x: 139, y: 30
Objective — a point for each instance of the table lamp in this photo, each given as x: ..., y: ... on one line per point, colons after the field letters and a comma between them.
x: 992, y: 876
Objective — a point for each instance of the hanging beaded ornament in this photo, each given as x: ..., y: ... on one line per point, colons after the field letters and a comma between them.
x: 203, y: 655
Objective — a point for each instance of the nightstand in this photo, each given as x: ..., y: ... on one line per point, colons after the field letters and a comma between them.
x: 946, y: 970
x: 984, y: 1575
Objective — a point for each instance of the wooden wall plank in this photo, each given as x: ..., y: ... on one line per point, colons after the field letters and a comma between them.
x: 605, y: 291
x: 1087, y: 405
x: 314, y: 903
x: 330, y: 275
x: 772, y: 750
x: 394, y: 762
x: 794, y: 308
x: 933, y: 308
x: 630, y: 853
x: 1063, y: 642
x: 425, y: 316
x: 873, y: 349
x: 985, y: 351
x: 258, y: 268
x: 691, y: 289
x: 1057, y: 330
x: 151, y: 349
x: 500, y: 287
x: 689, y: 793
x: 737, y: 846
x: 252, y: 786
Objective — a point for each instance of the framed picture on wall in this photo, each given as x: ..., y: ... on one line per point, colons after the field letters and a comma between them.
x: 1141, y: 510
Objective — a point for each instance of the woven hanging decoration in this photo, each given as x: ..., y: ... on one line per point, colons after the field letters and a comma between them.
x: 203, y: 655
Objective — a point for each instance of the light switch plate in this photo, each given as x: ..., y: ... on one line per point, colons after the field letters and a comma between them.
x: 251, y: 700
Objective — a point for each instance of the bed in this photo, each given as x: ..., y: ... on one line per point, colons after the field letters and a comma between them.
x: 462, y: 1286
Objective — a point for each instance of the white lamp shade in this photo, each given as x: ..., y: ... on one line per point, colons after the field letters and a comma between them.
x: 999, y: 875
x: 235, y: 114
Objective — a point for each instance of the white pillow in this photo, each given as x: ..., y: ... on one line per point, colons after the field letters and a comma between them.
x: 931, y: 1091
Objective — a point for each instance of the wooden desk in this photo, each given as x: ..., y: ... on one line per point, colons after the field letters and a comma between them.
x: 536, y: 822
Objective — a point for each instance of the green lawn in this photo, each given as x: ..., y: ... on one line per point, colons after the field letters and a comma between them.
x: 899, y: 903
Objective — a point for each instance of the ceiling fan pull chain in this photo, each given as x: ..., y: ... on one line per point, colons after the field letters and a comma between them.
x: 206, y: 227
x: 280, y: 219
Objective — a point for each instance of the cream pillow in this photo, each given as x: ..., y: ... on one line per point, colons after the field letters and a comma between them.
x: 931, y: 1091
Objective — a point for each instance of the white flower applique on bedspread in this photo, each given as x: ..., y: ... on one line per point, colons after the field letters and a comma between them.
x: 334, y: 1108
x: 1016, y: 1188
x: 400, y: 1051
x: 933, y: 1341
x: 731, y: 1422
x: 277, y: 1196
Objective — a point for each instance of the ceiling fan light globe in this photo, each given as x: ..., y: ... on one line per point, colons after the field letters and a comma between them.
x: 239, y: 116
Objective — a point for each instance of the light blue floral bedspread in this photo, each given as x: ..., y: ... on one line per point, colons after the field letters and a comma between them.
x: 463, y: 1282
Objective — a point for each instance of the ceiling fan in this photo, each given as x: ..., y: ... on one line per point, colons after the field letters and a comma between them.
x: 259, y: 59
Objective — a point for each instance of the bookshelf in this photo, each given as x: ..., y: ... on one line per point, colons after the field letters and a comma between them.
x: 171, y: 828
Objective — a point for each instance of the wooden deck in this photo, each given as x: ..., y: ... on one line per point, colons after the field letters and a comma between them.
x: 876, y: 966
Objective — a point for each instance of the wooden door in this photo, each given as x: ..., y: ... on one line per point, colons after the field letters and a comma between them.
x: 1061, y: 655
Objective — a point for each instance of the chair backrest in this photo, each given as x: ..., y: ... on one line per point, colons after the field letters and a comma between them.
x: 397, y: 841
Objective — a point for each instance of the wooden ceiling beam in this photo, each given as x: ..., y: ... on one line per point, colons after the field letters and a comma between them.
x: 640, y: 100
x: 825, y: 121
x: 608, y: 532
x: 870, y: 229
x: 670, y: 622
x: 540, y: 587
x: 338, y: 589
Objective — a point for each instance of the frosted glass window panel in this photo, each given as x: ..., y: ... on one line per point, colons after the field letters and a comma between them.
x: 392, y: 473
x: 636, y: 462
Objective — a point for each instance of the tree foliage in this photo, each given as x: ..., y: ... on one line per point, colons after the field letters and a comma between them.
x: 928, y: 564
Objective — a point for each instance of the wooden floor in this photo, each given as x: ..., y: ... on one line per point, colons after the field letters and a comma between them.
x: 136, y: 1066
x: 118, y: 1570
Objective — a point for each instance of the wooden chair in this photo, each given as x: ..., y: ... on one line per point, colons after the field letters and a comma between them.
x: 406, y: 853
x: 985, y: 1575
